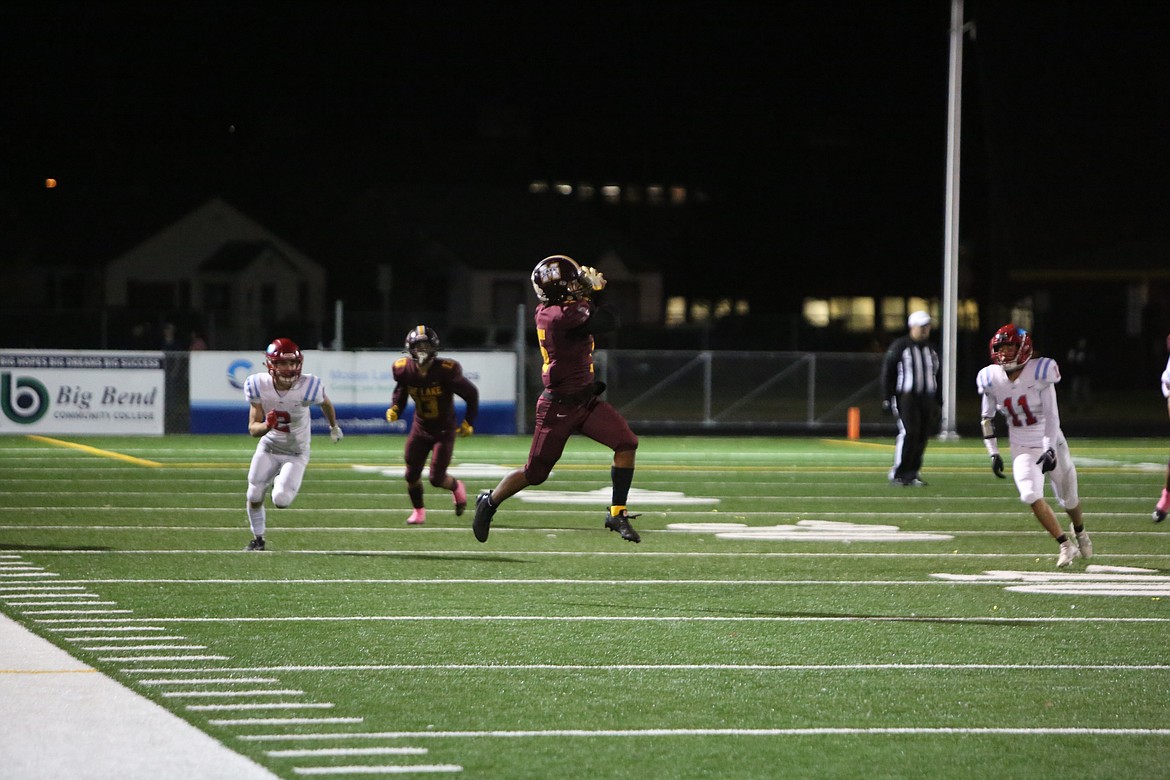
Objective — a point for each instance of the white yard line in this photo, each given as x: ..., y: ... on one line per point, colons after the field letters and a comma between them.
x: 1041, y: 667
x: 794, y: 732
x: 61, y: 725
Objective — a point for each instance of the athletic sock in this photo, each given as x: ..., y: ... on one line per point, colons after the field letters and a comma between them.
x: 622, y: 479
x: 416, y: 495
x: 257, y: 520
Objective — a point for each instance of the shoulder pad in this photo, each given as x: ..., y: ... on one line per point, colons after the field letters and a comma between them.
x: 1046, y: 370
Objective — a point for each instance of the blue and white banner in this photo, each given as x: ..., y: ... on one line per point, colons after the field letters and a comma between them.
x: 60, y: 391
x: 359, y: 384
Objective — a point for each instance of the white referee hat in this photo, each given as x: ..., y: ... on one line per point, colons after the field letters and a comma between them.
x: 918, y: 318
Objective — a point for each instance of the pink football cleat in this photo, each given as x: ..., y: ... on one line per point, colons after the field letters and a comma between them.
x: 417, y: 517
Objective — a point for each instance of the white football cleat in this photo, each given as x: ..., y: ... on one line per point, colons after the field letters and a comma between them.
x: 1068, y: 553
x: 1084, y: 544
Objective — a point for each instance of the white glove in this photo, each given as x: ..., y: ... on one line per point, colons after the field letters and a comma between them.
x: 592, y: 277
x: 335, y: 433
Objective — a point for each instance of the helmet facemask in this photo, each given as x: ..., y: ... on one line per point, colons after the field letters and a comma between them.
x: 1011, y: 347
x: 284, y: 361
x: 422, y: 344
x: 557, y: 279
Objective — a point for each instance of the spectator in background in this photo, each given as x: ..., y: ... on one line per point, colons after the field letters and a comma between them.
x: 433, y: 384
x: 197, y: 342
x: 1023, y: 389
x: 1163, y: 505
x: 911, y: 386
x: 168, y: 342
x: 1078, y: 369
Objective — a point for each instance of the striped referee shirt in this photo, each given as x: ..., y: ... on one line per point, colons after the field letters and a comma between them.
x: 911, y: 367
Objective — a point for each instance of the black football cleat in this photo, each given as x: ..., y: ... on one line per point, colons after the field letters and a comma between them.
x: 621, y: 524
x: 1159, y: 515
x: 256, y: 545
x: 459, y: 495
x: 484, y: 511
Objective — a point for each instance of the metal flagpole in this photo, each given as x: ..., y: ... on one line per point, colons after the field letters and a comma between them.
x: 950, y: 298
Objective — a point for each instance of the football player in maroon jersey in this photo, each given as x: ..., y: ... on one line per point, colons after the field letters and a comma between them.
x: 433, y: 383
x: 566, y: 321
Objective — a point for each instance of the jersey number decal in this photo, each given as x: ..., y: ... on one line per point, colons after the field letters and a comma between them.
x: 283, y: 419
x: 1022, y: 402
x: 428, y: 408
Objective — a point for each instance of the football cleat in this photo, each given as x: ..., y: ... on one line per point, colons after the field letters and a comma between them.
x: 484, y: 511
x: 417, y: 517
x: 1158, y: 516
x: 1068, y: 553
x: 1084, y: 544
x: 621, y: 523
x: 256, y: 545
x: 1161, y: 507
x: 460, y: 496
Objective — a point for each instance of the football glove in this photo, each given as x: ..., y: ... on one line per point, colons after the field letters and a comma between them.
x: 392, y: 414
x: 464, y: 429
x: 1047, y: 461
x: 997, y: 466
x: 270, y: 419
x: 335, y: 434
x: 592, y: 277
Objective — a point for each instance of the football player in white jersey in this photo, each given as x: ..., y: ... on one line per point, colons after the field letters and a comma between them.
x: 1163, y: 505
x: 1023, y: 389
x: 280, y: 418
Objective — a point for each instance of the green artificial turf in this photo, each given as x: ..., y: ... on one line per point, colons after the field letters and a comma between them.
x: 558, y: 650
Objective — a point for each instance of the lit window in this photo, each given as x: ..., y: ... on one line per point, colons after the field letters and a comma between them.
x: 700, y: 311
x: 611, y: 193
x: 538, y: 187
x: 742, y: 308
x: 893, y: 314
x: 722, y: 308
x: 654, y: 194
x: 1022, y: 314
x: 678, y: 195
x: 585, y: 191
x: 860, y: 316
x: 816, y: 312
x: 564, y: 189
x: 676, y: 311
x: 968, y: 315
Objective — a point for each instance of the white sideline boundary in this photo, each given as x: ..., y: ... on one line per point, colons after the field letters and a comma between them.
x: 64, y: 719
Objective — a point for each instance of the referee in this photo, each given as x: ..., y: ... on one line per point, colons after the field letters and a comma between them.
x: 912, y: 392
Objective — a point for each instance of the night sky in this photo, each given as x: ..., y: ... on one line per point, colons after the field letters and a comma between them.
x: 817, y: 128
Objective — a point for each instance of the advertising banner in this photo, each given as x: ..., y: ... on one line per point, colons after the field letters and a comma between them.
x: 59, y: 391
x: 358, y: 383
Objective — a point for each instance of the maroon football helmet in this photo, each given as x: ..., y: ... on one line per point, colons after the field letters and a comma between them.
x: 1011, y: 347
x: 284, y: 360
x: 422, y: 343
x: 557, y: 279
